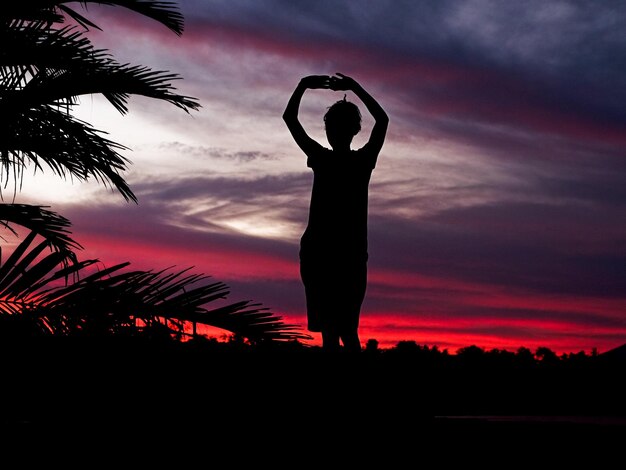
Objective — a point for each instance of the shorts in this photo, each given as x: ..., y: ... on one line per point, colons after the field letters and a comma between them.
x: 334, y: 286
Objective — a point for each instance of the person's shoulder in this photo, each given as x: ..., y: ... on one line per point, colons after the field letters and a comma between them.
x: 319, y: 156
x: 366, y: 156
x: 367, y: 149
x: 319, y: 150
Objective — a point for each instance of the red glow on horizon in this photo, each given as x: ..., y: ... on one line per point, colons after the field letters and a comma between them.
x: 444, y: 328
x: 527, y: 319
x: 219, y: 261
x: 377, y: 328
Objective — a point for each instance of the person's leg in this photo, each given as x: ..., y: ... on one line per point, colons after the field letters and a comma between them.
x: 351, y: 342
x: 354, y: 294
x: 311, y: 275
x: 330, y: 341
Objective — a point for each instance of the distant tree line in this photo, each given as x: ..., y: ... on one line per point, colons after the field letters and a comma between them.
x: 523, y: 355
x: 410, y: 350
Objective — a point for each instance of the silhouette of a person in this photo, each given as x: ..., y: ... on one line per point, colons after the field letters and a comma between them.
x: 333, y: 248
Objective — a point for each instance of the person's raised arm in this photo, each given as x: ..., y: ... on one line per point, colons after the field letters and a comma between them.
x: 381, y: 120
x: 290, y: 115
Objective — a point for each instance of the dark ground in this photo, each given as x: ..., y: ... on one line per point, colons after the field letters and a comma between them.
x: 278, y: 406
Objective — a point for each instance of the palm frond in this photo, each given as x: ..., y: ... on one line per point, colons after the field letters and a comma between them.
x: 39, y: 220
x: 27, y: 268
x: 80, y: 19
x: 53, y: 11
x: 43, y: 11
x: 114, y: 81
x: 122, y: 298
x: 44, y: 74
x: 45, y: 69
x: 36, y: 47
x: 118, y: 301
x: 249, y: 320
x: 63, y: 64
x: 68, y: 146
x: 120, y: 81
x: 166, y: 13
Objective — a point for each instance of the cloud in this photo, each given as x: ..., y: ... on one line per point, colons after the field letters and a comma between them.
x: 273, y: 206
x: 544, y: 41
x: 497, y: 207
x: 549, y: 248
x: 524, y: 75
x: 201, y: 151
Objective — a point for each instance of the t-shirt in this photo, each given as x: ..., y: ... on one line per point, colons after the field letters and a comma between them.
x: 339, y: 201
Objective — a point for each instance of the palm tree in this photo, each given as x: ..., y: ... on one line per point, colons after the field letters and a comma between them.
x: 46, y: 67
x: 36, y: 296
x: 38, y: 219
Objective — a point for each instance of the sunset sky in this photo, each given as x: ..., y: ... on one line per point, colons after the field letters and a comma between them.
x: 498, y: 206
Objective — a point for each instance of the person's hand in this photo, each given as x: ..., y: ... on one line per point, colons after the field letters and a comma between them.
x: 342, y: 82
x: 316, y: 81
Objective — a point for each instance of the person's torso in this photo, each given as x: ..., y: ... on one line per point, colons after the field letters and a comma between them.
x: 339, y: 199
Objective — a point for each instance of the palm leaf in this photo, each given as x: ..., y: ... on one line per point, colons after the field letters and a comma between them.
x: 9, y: 266
x: 113, y: 300
x: 47, y: 70
x: 68, y: 146
x: 27, y: 278
x: 39, y: 220
x: 249, y: 320
x: 36, y: 47
x: 146, y: 295
x: 26, y: 268
x: 42, y: 11
x: 166, y: 13
x: 72, y: 271
x: 19, y: 268
x: 114, y: 81
x: 63, y: 65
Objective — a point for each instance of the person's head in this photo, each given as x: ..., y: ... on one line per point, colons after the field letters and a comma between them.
x: 342, y: 122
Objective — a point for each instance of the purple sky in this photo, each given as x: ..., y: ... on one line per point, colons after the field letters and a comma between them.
x: 497, y: 209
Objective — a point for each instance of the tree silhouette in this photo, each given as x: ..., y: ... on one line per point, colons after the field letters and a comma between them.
x: 114, y: 301
x: 371, y: 346
x: 46, y: 67
x: 53, y: 227
x: 546, y: 356
x: 471, y: 352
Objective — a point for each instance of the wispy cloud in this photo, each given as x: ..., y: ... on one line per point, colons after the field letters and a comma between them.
x: 201, y: 151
